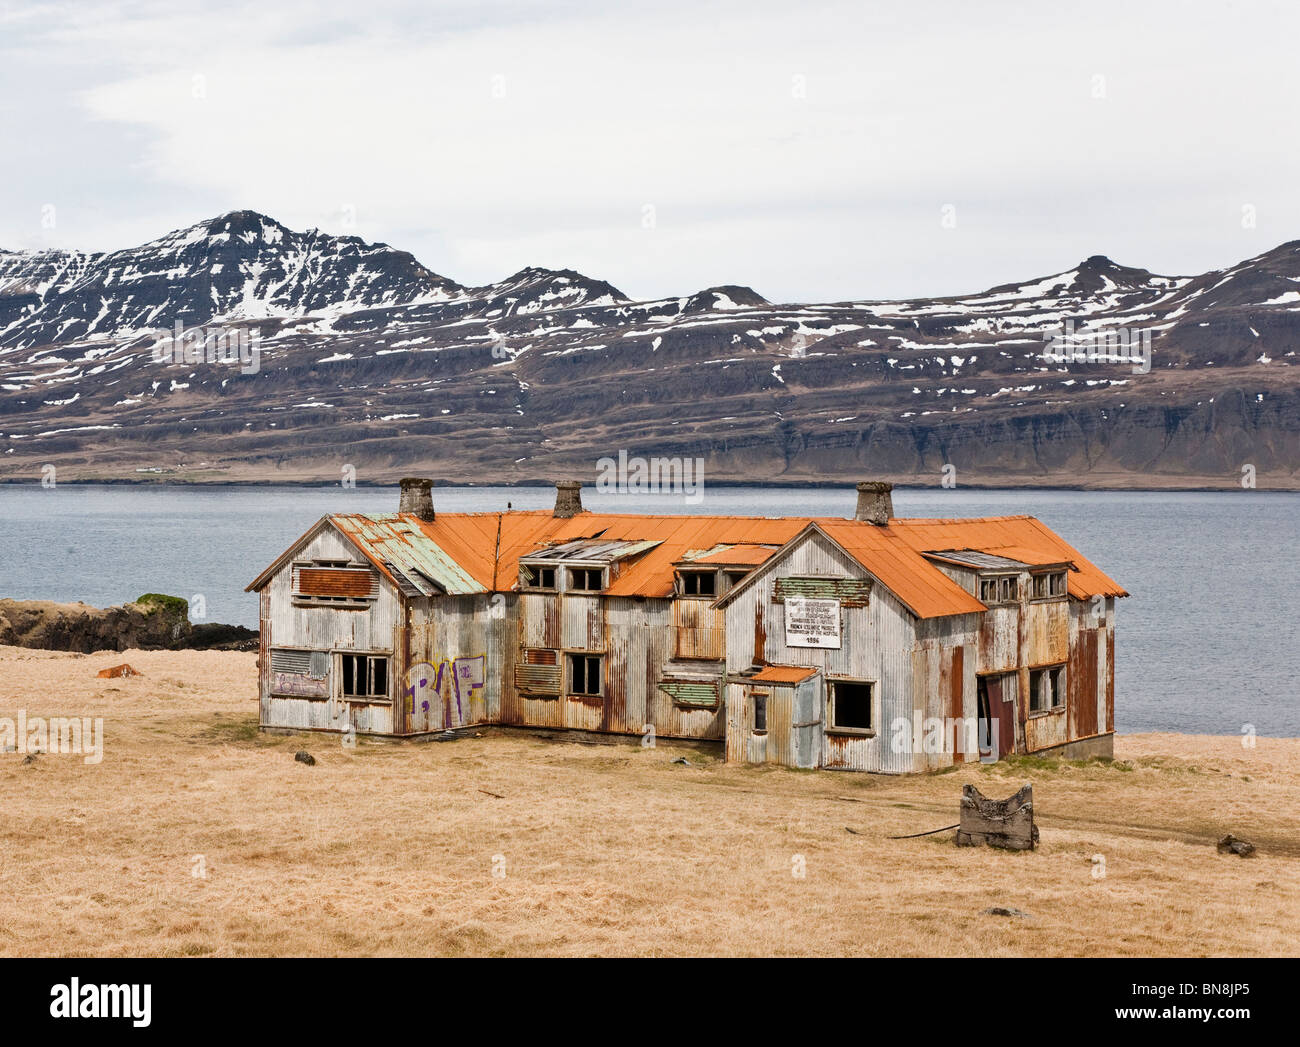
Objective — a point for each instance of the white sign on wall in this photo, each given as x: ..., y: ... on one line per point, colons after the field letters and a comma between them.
x: 812, y: 623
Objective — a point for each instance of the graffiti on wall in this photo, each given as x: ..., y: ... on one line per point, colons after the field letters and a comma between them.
x: 451, y: 683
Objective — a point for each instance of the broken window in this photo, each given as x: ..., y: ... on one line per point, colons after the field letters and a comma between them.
x: 699, y: 583
x: 760, y: 711
x: 850, y: 705
x: 534, y: 577
x: 733, y: 578
x: 586, y: 579
x: 1046, y: 585
x: 1046, y: 688
x: 365, y: 676
x: 999, y: 589
x: 584, y: 674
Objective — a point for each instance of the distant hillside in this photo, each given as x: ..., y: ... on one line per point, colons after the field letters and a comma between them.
x: 369, y: 359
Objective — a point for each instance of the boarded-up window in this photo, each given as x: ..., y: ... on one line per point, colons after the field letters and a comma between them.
x: 537, y: 672
x: 692, y: 694
x: 850, y: 592
x: 343, y: 585
x: 304, y: 663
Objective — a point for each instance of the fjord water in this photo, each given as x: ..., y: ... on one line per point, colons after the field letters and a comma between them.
x: 1207, y: 643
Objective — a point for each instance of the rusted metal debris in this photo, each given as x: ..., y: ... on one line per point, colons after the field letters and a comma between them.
x: 1005, y: 823
x: 1001, y: 910
x: 1231, y: 845
x: 115, y: 671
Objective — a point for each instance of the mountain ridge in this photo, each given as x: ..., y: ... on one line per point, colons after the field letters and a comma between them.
x: 370, y: 359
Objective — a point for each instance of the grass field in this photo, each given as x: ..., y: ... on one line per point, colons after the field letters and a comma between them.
x: 198, y: 836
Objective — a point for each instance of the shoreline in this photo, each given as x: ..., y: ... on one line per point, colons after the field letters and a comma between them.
x: 547, y: 485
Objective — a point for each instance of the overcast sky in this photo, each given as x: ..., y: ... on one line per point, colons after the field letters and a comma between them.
x: 816, y: 152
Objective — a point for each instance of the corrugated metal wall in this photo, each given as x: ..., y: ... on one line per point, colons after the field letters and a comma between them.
x: 876, y: 644
x: 376, y: 630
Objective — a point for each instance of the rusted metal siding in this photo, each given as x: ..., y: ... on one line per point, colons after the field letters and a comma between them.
x: 1081, y: 682
x: 459, y: 659
x: 639, y: 646
x: 582, y: 622
x: 539, y: 620
x: 1048, y: 631
x: 876, y: 644
x: 372, y: 630
x: 700, y: 629
x: 999, y: 639
x: 1044, y: 730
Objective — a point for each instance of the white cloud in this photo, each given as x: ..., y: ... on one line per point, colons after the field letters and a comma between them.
x: 807, y: 150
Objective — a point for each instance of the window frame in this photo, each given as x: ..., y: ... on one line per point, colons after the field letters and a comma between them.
x: 539, y: 571
x: 1000, y: 584
x: 873, y: 686
x: 755, y: 698
x: 1049, y: 585
x: 370, y: 658
x: 1056, y: 699
x: 571, y: 585
x: 587, y: 657
x: 696, y: 577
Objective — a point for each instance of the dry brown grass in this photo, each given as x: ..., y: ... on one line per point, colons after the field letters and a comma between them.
x: 608, y: 849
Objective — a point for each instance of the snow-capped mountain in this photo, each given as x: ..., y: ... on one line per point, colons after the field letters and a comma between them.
x: 368, y: 358
x: 239, y: 266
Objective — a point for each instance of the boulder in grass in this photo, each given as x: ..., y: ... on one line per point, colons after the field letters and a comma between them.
x: 1231, y: 845
x: 303, y: 756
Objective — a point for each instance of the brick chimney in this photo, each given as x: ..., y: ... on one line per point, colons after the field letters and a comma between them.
x: 417, y: 498
x: 568, y: 498
x: 875, y: 504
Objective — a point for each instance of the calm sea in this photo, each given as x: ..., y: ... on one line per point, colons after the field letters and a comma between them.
x: 1206, y: 644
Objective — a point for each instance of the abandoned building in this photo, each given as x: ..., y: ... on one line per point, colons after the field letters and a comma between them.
x: 871, y: 644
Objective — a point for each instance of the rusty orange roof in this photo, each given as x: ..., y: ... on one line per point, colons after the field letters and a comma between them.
x: 740, y: 555
x: 480, y: 552
x: 1023, y: 538
x: 782, y: 674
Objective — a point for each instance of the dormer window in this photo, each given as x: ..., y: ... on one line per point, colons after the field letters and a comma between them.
x: 586, y: 579
x: 537, y: 578
x: 998, y: 589
x: 698, y: 583
x: 1049, y: 585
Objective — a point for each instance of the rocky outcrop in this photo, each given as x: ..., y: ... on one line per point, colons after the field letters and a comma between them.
x: 151, y: 623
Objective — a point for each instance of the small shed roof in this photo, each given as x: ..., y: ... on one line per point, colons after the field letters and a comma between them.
x: 783, y: 674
